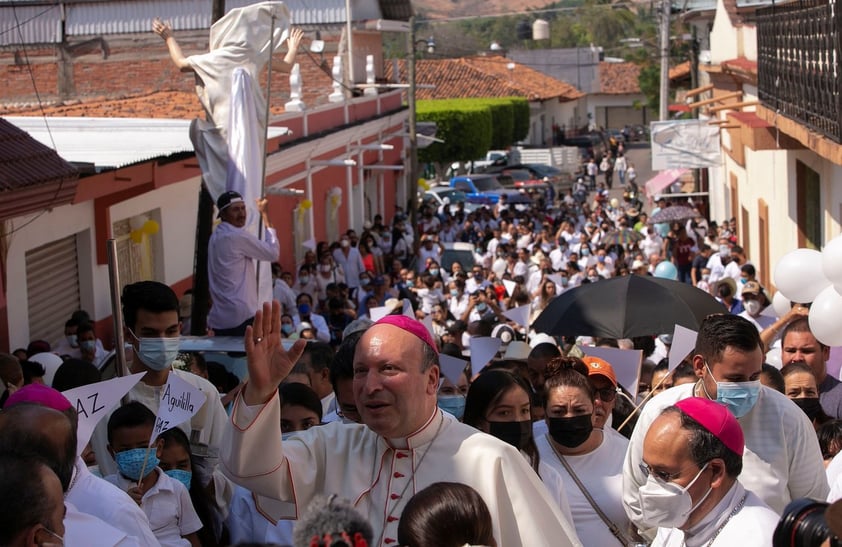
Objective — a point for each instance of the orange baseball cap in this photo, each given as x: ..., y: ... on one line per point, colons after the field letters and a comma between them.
x: 600, y: 367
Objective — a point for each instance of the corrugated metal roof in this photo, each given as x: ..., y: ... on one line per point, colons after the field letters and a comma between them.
x: 25, y: 162
x: 40, y: 24
x: 113, y: 142
x: 40, y: 21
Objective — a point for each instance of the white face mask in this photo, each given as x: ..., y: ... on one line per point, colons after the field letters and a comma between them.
x: 666, y: 504
x: 753, y: 307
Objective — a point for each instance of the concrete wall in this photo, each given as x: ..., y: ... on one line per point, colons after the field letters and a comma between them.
x: 724, y: 38
x: 177, y: 205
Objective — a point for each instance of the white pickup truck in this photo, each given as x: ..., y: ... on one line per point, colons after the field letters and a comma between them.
x: 457, y: 168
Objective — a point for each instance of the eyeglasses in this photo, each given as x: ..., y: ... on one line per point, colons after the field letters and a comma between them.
x: 606, y: 394
x: 662, y: 476
x: 350, y: 413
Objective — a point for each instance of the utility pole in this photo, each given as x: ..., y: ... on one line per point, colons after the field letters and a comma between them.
x: 665, y: 59
x: 413, y: 134
x: 204, y: 227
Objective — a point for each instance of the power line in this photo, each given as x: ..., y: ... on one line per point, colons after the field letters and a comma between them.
x: 19, y: 24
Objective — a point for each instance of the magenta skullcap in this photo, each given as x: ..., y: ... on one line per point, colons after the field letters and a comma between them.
x: 412, y: 326
x: 40, y: 395
x: 716, y: 418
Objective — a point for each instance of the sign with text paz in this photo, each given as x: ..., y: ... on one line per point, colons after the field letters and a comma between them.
x: 180, y: 401
x: 625, y: 362
x: 94, y: 402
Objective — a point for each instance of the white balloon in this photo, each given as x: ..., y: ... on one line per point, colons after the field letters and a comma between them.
x: 825, y: 319
x: 832, y: 260
x: 781, y: 304
x: 799, y: 275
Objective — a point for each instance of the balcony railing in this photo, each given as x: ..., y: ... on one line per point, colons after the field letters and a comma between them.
x: 799, y: 51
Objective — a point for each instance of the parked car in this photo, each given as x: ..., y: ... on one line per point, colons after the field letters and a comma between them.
x: 592, y: 145
x: 486, y: 189
x: 558, y: 179
x: 463, y: 253
x: 522, y: 179
x: 437, y: 195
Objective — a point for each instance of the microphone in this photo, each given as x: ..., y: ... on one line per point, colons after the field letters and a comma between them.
x: 332, y: 522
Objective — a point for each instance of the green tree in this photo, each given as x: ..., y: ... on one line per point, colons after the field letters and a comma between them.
x: 463, y: 125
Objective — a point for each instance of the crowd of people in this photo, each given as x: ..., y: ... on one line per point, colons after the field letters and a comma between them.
x: 351, y: 427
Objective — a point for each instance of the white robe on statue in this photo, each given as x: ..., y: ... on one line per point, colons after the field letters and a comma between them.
x: 380, y: 475
x: 752, y: 526
x: 782, y: 460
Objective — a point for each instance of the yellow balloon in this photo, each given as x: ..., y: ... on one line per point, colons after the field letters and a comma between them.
x: 137, y: 236
x: 423, y: 184
x: 150, y: 227
x: 306, y: 204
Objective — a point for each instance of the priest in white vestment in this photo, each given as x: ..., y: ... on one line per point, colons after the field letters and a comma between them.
x: 405, y: 445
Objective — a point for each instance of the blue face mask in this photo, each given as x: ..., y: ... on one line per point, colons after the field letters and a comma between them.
x: 304, y: 309
x: 454, y: 292
x: 434, y: 272
x: 182, y: 476
x: 130, y: 462
x: 481, y: 307
x: 286, y: 328
x: 88, y: 345
x: 157, y: 353
x: 453, y: 404
x: 739, y: 397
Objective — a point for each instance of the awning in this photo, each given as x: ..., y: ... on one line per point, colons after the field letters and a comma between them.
x: 662, y: 180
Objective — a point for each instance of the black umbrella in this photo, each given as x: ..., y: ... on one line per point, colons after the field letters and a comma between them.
x: 627, y: 306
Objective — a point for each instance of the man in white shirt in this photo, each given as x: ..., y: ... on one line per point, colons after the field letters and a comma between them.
x: 39, y: 431
x: 152, y: 327
x: 782, y: 460
x: 315, y: 363
x: 692, y: 455
x: 232, y: 251
x: 405, y: 445
x: 350, y: 260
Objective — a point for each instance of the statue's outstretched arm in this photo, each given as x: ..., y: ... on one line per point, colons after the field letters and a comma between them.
x: 293, y: 42
x: 164, y: 30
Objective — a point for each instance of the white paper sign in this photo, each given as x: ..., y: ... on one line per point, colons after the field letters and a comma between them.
x: 376, y: 314
x: 309, y: 244
x: 510, y: 286
x: 683, y: 342
x: 452, y: 367
x: 428, y: 322
x: 93, y: 402
x: 483, y: 350
x: 180, y: 401
x: 407, y: 308
x: 519, y: 315
x: 625, y: 362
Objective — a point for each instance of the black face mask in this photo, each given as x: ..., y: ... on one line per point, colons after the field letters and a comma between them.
x: 517, y: 434
x: 570, y: 432
x: 810, y: 405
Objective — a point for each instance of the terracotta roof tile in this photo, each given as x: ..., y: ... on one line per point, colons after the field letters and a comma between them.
x: 179, y: 105
x: 26, y: 163
x: 680, y: 71
x: 484, y: 77
x: 740, y: 64
x: 619, y: 78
